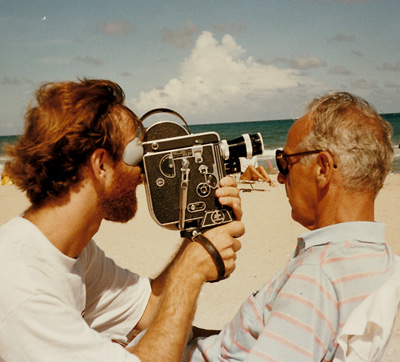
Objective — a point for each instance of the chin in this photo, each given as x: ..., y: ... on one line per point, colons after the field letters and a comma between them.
x: 121, y: 214
x: 118, y: 207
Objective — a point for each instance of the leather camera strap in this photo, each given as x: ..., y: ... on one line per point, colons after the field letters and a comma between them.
x: 214, y: 253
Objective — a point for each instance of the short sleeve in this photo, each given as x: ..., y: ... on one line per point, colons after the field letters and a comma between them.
x: 115, y: 297
x: 45, y: 329
x: 302, y: 323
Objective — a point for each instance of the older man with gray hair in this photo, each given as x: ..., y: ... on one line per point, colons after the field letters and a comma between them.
x: 333, y: 165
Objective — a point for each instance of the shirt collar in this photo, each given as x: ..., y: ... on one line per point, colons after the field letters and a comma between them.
x: 367, y: 231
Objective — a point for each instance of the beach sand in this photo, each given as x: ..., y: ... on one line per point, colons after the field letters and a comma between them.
x: 144, y: 247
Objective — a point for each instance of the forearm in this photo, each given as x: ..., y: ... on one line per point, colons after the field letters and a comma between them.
x: 172, y: 305
x: 158, y: 287
x: 169, y: 331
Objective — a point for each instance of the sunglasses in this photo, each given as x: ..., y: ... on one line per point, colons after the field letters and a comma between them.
x: 282, y: 159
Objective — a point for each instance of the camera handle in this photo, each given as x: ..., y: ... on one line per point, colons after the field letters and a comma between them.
x: 196, y: 235
x: 165, y: 110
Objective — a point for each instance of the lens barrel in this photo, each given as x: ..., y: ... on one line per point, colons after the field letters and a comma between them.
x: 244, y: 146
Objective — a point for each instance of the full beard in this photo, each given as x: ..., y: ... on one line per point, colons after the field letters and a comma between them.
x: 119, y: 202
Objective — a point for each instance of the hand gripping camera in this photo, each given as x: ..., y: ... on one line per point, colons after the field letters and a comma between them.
x: 182, y: 171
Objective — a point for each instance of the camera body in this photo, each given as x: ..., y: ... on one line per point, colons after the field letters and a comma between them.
x: 182, y: 172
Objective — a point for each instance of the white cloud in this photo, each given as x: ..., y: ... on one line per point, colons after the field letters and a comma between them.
x: 339, y: 70
x: 54, y: 60
x: 364, y: 84
x: 180, y: 38
x: 216, y: 83
x: 117, y: 27
x: 392, y: 85
x: 306, y: 62
x: 63, y: 61
x: 89, y: 60
x: 343, y: 38
x: 236, y: 27
x: 10, y: 81
x: 357, y: 53
x: 395, y: 67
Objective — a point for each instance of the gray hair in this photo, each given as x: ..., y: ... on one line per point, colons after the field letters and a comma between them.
x: 358, y: 138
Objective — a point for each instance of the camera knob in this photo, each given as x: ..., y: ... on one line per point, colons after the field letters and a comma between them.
x: 160, y: 182
x: 203, y: 190
x: 203, y: 169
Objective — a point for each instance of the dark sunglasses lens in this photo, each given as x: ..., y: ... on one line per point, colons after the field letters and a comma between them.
x: 281, y: 163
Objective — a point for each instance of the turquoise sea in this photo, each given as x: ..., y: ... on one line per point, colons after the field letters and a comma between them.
x: 273, y: 132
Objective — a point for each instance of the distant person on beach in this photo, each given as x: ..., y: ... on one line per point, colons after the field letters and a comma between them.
x: 334, y: 163
x: 256, y: 174
x: 251, y: 171
x: 61, y: 298
x: 5, y: 179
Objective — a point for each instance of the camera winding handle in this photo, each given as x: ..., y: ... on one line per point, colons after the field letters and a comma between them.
x: 164, y: 110
x: 214, y: 253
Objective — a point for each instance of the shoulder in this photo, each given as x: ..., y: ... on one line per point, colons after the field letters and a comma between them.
x: 29, y: 263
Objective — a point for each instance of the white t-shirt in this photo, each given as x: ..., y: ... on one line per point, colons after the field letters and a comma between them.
x: 55, y: 308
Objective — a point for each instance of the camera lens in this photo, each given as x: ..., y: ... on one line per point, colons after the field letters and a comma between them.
x: 244, y: 146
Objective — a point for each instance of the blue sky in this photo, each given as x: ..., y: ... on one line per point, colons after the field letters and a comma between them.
x: 211, y: 61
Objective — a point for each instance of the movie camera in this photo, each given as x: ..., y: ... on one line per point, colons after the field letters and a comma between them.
x: 182, y: 170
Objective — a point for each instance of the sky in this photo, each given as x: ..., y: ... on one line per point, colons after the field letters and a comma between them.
x: 211, y: 61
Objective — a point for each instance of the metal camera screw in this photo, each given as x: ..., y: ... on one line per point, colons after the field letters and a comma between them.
x: 160, y: 182
x: 155, y: 146
x: 203, y: 169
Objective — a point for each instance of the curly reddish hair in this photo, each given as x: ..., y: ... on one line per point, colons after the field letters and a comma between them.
x: 68, y: 123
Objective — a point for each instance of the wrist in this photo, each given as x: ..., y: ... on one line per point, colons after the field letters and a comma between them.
x: 214, y: 254
x: 189, y: 264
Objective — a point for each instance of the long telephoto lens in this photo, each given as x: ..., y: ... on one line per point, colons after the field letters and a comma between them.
x: 246, y: 146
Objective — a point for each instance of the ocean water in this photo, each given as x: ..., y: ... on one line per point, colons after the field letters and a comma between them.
x: 273, y: 133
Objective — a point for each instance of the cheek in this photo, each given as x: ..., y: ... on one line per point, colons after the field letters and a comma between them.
x: 130, y: 174
x: 137, y: 175
x: 298, y: 195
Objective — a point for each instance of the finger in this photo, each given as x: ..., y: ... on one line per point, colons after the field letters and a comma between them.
x: 229, y: 269
x: 228, y: 181
x: 227, y: 191
x: 236, y: 229
x: 235, y: 204
x: 237, y: 245
x: 232, y: 201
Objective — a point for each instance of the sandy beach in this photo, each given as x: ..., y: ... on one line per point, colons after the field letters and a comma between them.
x: 144, y: 247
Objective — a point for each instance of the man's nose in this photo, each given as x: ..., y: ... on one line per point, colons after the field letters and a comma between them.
x: 281, y: 178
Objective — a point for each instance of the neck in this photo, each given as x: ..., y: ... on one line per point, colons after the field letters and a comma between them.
x: 68, y: 223
x: 345, y: 207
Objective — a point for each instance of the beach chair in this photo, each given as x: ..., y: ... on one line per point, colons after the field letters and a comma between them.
x: 247, y: 185
x: 367, y: 331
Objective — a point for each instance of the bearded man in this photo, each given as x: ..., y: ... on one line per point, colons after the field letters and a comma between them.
x: 61, y: 298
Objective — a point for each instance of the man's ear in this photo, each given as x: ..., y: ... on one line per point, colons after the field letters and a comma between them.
x: 325, y: 168
x: 100, y: 163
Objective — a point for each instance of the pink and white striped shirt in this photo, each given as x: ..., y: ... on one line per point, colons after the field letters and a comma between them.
x: 298, y: 313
